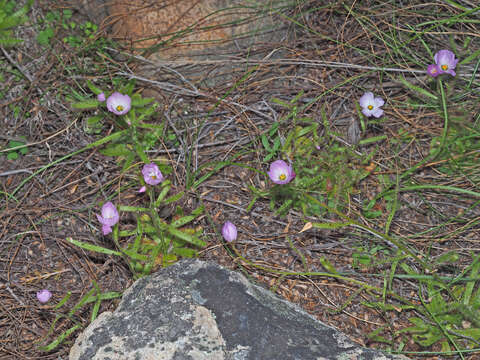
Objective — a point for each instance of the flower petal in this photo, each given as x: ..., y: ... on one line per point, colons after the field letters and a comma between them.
x: 367, y: 112
x: 366, y: 99
x: 378, y: 102
x: 152, y: 174
x: 377, y: 112
x: 106, y: 229
x: 433, y: 70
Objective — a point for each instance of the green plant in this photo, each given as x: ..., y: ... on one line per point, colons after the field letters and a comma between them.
x: 450, y: 311
x: 154, y: 241
x: 80, y: 36
x: 136, y: 135
x: 18, y: 149
x: 94, y: 296
x: 325, y: 169
x: 9, y: 18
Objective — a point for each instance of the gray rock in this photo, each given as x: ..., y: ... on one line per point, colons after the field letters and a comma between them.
x: 199, y: 310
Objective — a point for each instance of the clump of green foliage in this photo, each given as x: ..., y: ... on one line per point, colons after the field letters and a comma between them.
x: 9, y: 18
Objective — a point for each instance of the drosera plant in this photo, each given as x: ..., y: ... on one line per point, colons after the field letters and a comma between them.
x: 310, y: 164
x: 154, y: 242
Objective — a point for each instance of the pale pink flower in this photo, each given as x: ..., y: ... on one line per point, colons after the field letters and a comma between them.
x: 371, y: 105
x: 44, y: 295
x: 119, y: 104
x: 229, y: 231
x: 280, y: 172
x: 108, y: 218
x: 152, y: 174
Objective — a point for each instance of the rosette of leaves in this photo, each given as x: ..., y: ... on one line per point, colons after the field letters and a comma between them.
x: 9, y: 18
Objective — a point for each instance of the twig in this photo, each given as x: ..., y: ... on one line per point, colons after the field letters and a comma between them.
x: 186, y: 92
x: 13, y: 172
x: 41, y: 141
x: 17, y: 65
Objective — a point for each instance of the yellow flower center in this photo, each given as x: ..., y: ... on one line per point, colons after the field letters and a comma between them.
x: 282, y: 177
x: 153, y: 177
x: 119, y: 107
x: 370, y: 107
x: 444, y: 67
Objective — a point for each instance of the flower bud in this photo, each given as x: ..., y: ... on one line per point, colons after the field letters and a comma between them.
x: 229, y: 231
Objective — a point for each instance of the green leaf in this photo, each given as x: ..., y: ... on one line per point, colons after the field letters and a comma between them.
x: 93, y: 88
x: 128, y: 161
x: 138, y: 101
x: 331, y: 226
x: 94, y: 124
x: 8, y: 41
x: 174, y: 198
x: 116, y: 150
x: 471, y: 57
x: 87, y: 104
x: 372, y: 214
x: 185, y: 252
x: 372, y: 139
x: 63, y: 301
x: 265, y: 143
x: 186, y: 237
x: 59, y: 339
x: 417, y: 89
x: 136, y: 256
x: 280, y: 102
x: 12, y: 155
x: 44, y: 36
x: 12, y: 21
x: 92, y: 247
x: 328, y: 265
x: 182, y: 221
x: 448, y: 257
x: 127, y: 88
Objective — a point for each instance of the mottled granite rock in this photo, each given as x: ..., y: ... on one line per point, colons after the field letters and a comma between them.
x: 199, y: 310
x: 199, y: 39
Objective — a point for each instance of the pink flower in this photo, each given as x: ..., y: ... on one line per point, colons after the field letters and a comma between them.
x: 446, y: 62
x: 119, y: 104
x: 152, y: 174
x: 229, y: 231
x: 108, y: 218
x: 433, y: 70
x: 371, y: 105
x: 101, y: 97
x: 44, y: 295
x: 280, y: 172
x: 142, y: 189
